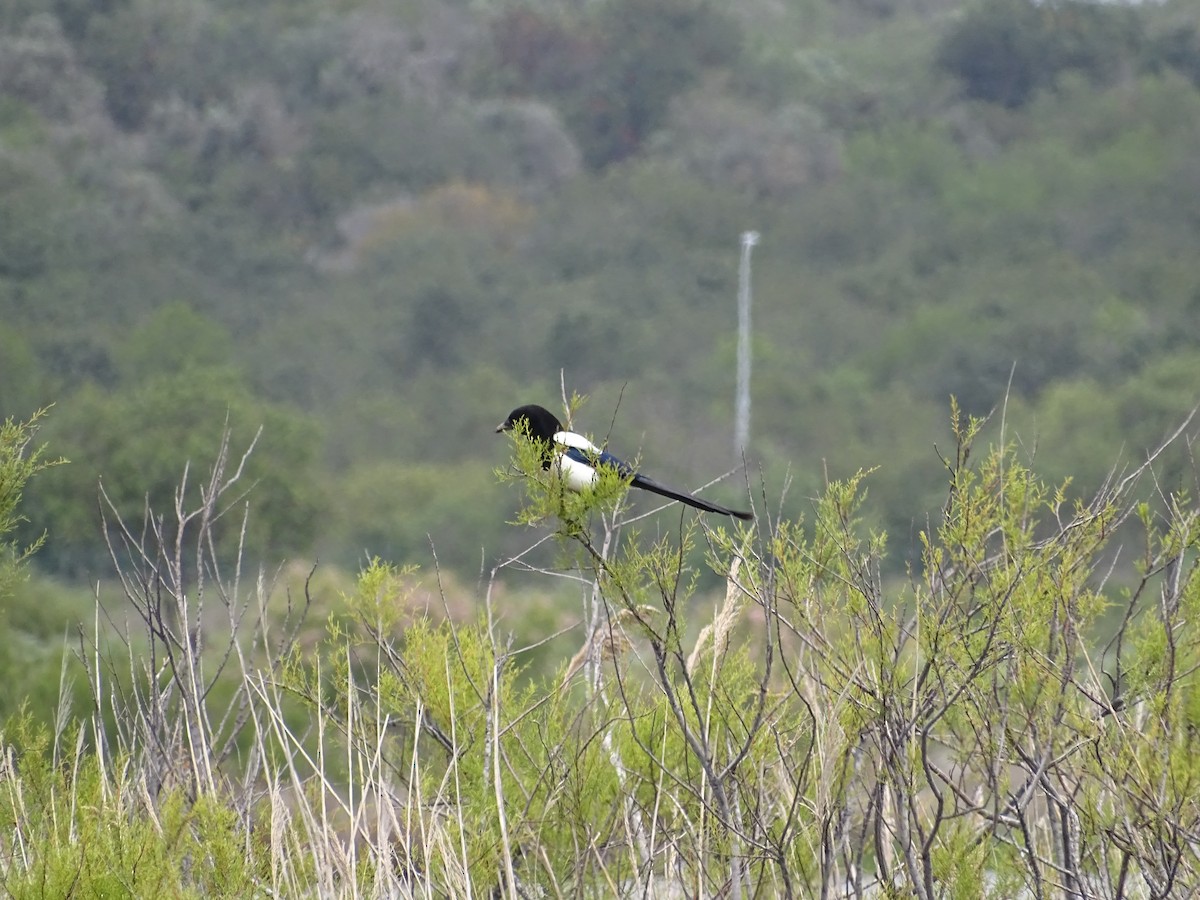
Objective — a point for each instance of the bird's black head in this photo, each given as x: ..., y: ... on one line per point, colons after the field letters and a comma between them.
x: 539, y: 422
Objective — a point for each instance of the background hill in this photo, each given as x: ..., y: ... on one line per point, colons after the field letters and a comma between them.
x: 373, y: 228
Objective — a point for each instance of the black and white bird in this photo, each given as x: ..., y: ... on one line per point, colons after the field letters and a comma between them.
x: 576, y: 459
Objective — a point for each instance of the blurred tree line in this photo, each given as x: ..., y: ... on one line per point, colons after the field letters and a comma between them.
x: 372, y: 227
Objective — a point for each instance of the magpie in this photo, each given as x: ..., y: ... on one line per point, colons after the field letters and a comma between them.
x: 576, y: 458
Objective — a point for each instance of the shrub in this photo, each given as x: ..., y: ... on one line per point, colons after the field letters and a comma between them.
x: 1000, y: 720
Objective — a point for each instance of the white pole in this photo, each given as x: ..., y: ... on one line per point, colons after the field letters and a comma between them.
x: 741, y: 438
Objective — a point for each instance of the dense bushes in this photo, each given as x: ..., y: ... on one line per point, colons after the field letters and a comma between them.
x: 1003, y: 719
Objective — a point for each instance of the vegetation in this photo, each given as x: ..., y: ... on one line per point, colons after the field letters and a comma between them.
x: 966, y: 731
x: 280, y: 268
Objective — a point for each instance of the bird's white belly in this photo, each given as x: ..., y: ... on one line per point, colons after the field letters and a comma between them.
x: 576, y: 475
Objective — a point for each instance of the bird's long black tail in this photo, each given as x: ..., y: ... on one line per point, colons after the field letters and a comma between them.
x: 649, y: 484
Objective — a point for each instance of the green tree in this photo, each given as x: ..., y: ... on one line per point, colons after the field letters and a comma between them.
x: 613, y: 75
x: 146, y: 50
x: 29, y: 212
x: 20, y: 461
x: 136, y: 442
x: 1178, y: 48
x: 20, y: 376
x: 653, y: 51
x: 30, y: 653
x: 405, y: 511
x: 1005, y: 50
x: 172, y: 339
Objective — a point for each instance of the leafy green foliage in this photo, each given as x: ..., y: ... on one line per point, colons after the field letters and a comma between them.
x: 93, y: 839
x: 174, y: 338
x: 33, y: 617
x: 19, y: 373
x: 19, y: 462
x: 27, y: 223
x: 781, y: 742
x: 402, y: 512
x: 178, y: 419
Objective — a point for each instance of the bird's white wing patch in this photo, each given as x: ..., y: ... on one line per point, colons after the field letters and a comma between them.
x: 578, y: 441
